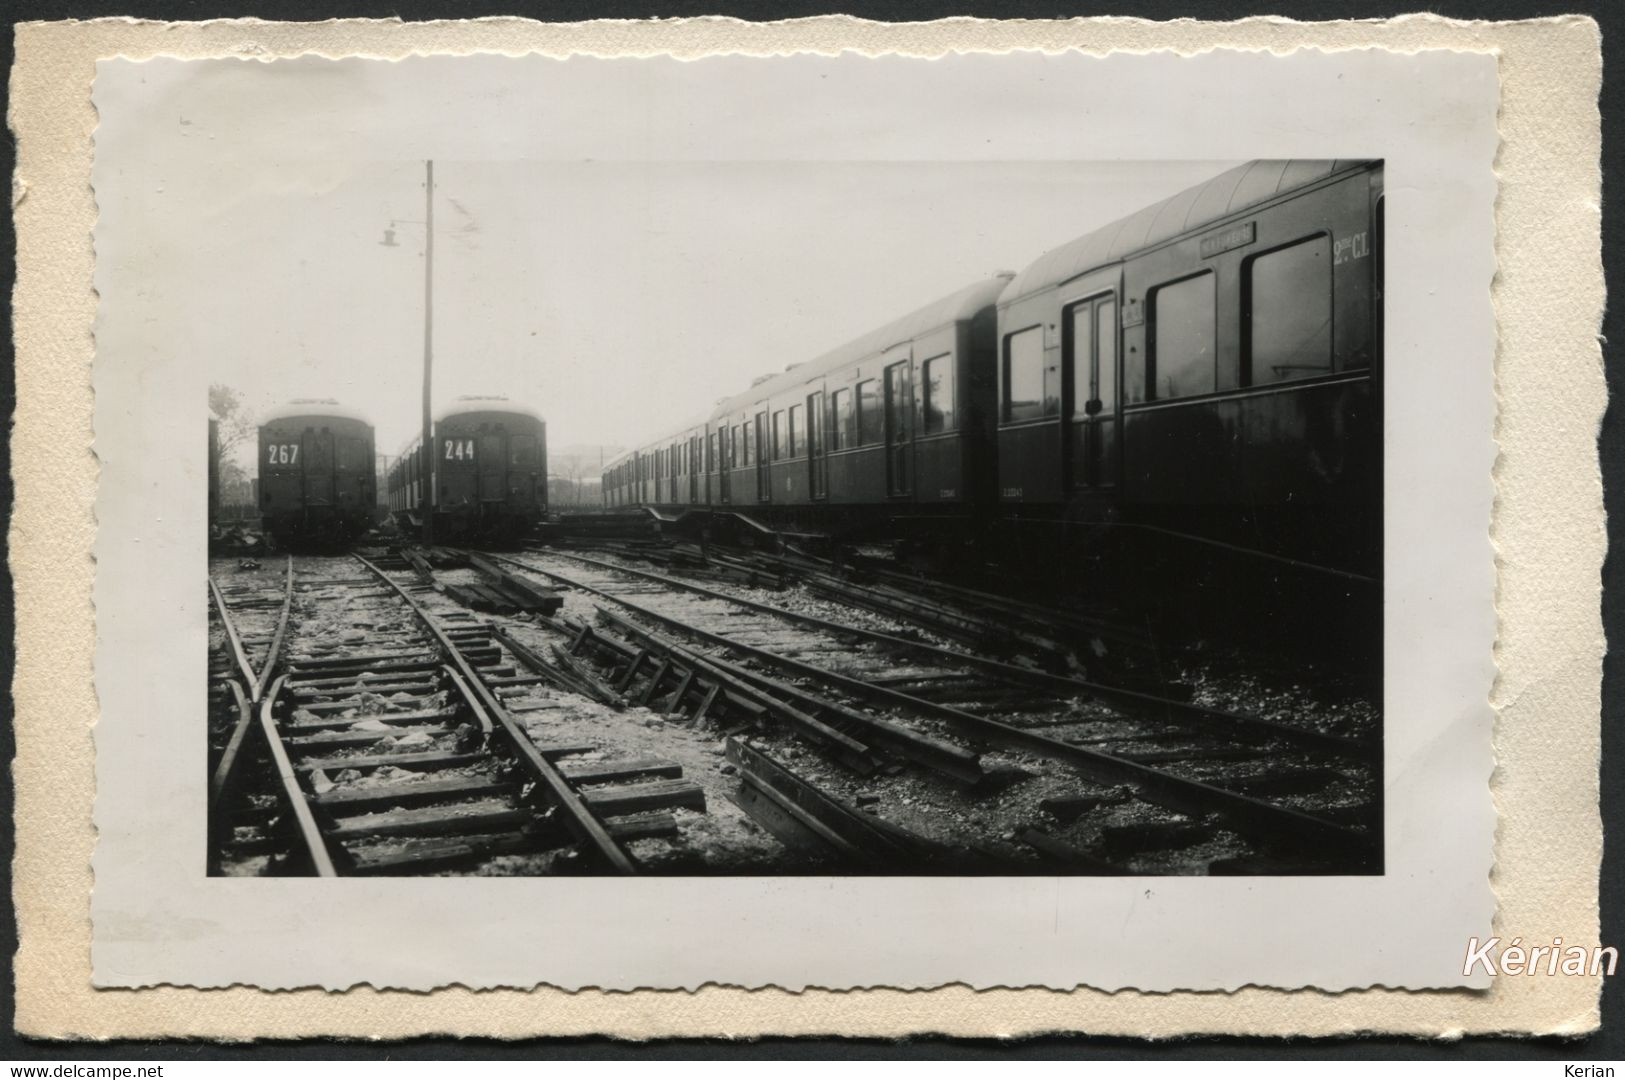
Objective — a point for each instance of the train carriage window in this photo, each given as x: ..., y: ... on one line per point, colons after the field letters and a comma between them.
x: 1092, y: 334
x: 350, y: 453
x: 792, y: 433
x: 1183, y: 357
x: 781, y: 446
x: 749, y: 442
x: 1106, y: 337
x: 522, y: 451
x: 1082, y: 331
x: 937, y: 394
x: 318, y: 450
x: 1287, y: 313
x: 1026, y: 394
x: 840, y: 407
x: 870, y: 422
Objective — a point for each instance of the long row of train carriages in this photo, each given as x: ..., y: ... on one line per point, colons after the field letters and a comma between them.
x: 1188, y: 398
x: 318, y: 485
x: 1184, y: 401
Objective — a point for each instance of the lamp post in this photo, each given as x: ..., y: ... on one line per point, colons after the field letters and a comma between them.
x: 428, y: 351
x: 426, y: 450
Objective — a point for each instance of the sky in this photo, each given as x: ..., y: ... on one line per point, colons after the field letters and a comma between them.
x: 618, y: 244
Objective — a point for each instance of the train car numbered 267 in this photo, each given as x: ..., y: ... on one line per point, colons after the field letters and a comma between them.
x: 316, y: 473
x: 489, y: 479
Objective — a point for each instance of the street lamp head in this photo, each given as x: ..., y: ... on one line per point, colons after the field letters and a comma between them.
x: 389, y: 239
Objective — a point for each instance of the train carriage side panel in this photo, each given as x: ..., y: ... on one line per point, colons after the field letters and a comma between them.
x: 1277, y: 446
x: 794, y: 421
x: 1242, y: 351
x: 1028, y: 419
x: 858, y: 456
x: 939, y: 423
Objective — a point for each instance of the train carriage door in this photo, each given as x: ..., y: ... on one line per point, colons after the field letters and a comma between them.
x: 817, y: 457
x: 522, y: 469
x: 318, y: 455
x: 711, y: 466
x: 694, y: 466
x: 899, y: 412
x: 727, y: 436
x: 492, y: 461
x: 764, y: 475
x: 1090, y: 340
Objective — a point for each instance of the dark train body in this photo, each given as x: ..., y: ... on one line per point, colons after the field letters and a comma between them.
x: 1198, y: 384
x: 316, y: 482
x: 489, y: 477
x: 844, y: 443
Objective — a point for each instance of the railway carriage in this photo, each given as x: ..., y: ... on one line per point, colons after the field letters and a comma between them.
x: 1196, y: 386
x: 317, y: 486
x: 488, y: 480
x: 886, y: 433
x: 1203, y: 375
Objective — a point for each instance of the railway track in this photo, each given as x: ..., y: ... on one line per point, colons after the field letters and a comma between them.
x: 370, y: 736
x: 1082, y: 642
x: 1147, y: 782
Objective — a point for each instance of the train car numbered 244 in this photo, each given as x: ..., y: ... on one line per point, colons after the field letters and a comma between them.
x: 489, y: 479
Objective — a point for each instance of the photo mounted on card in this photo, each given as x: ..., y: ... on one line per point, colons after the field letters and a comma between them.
x: 1010, y: 519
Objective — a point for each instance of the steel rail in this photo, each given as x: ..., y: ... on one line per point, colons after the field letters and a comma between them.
x: 577, y: 817
x: 947, y: 758
x: 255, y: 681
x: 275, y: 652
x: 853, y: 572
x: 1263, y: 820
x: 232, y: 637
x: 228, y: 758
x: 468, y: 695
x: 310, y: 833
x: 1181, y: 713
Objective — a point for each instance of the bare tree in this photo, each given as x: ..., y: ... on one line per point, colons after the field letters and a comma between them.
x: 236, y: 419
x: 235, y: 429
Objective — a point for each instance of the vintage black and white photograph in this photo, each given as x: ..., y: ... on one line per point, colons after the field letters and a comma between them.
x: 794, y: 478
x: 836, y: 551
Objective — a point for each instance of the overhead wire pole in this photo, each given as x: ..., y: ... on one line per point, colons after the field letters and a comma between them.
x: 428, y: 355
